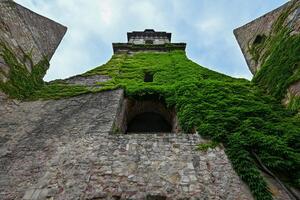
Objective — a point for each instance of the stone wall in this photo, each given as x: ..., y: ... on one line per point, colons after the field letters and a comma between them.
x: 260, y: 29
x: 247, y: 34
x: 26, y: 32
x: 34, y: 139
x: 154, y: 40
x: 65, y: 149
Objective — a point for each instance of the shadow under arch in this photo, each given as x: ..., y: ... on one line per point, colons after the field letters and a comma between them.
x: 147, y: 114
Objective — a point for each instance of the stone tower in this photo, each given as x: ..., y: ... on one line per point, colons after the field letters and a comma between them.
x: 255, y: 37
x: 68, y: 149
x: 27, y: 32
x: 110, y: 133
x: 148, y: 40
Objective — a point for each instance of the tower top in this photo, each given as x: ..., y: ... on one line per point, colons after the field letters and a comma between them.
x: 149, y: 36
x: 148, y: 40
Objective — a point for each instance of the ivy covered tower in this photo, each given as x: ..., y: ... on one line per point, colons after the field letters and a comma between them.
x: 148, y: 124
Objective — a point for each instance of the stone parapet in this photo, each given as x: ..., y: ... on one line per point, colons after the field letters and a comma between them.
x: 133, y: 48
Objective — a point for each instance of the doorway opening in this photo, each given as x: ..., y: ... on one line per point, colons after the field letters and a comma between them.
x: 148, y: 114
x: 148, y: 122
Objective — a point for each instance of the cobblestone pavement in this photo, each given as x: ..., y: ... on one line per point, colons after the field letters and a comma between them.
x: 63, y: 149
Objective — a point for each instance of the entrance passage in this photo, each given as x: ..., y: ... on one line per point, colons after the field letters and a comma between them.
x: 146, y: 114
x: 149, y: 122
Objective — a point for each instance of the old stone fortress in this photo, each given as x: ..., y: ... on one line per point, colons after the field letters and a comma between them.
x: 67, y: 148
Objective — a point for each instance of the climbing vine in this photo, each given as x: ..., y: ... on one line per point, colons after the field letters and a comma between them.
x: 279, y: 55
x: 21, y: 83
x: 228, y: 110
x: 231, y: 111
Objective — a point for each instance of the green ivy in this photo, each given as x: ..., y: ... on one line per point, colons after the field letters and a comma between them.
x: 20, y: 82
x: 228, y: 110
x: 231, y: 111
x: 208, y: 145
x: 279, y: 55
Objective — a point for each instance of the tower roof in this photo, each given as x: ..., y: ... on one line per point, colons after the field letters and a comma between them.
x: 149, y: 33
x: 148, y: 40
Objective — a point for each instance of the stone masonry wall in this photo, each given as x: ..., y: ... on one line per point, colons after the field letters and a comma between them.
x: 35, y: 134
x: 26, y: 32
x: 262, y: 26
x: 246, y: 34
x: 64, y: 149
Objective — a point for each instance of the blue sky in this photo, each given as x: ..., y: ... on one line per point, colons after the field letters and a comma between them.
x: 205, y: 25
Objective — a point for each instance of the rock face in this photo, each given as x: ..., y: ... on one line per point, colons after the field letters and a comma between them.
x: 26, y: 32
x: 65, y: 149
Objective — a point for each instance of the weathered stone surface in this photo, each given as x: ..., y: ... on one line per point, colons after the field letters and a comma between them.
x: 293, y: 91
x: 64, y: 149
x: 35, y: 133
x: 247, y: 34
x: 26, y: 32
x: 258, y: 30
x: 87, y: 81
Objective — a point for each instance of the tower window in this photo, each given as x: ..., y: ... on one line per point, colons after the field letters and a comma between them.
x: 148, y: 77
x: 149, y: 41
x: 259, y: 39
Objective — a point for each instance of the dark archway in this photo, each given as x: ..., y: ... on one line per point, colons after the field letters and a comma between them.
x: 259, y: 39
x: 146, y: 114
x: 149, y: 122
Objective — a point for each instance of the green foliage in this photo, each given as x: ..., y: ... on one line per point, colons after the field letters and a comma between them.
x: 279, y: 55
x: 21, y: 83
x: 25, y: 85
x: 231, y: 111
x: 208, y: 145
x: 228, y: 110
x: 294, y: 103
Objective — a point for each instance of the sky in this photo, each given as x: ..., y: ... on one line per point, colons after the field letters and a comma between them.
x: 205, y: 25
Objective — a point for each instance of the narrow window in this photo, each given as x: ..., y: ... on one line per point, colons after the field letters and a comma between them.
x: 149, y: 41
x: 259, y: 39
x: 148, y: 77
